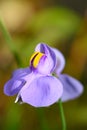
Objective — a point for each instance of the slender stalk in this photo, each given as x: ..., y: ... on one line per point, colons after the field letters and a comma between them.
x: 14, y: 49
x: 62, y: 115
x: 9, y: 42
x: 11, y: 122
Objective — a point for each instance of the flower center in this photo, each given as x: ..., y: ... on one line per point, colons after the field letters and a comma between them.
x: 35, y: 58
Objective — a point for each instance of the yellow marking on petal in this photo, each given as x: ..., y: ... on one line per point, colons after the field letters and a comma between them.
x: 35, y: 53
x: 37, y: 59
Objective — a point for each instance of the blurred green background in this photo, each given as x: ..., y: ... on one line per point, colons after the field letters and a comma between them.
x: 61, y: 24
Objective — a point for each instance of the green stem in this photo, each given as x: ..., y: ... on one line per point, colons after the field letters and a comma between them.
x: 62, y: 115
x: 14, y: 49
x: 9, y: 42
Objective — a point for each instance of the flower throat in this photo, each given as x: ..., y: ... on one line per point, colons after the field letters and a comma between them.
x: 35, y: 58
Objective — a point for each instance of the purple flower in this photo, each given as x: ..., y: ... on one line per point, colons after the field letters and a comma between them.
x: 72, y: 88
x: 36, y: 84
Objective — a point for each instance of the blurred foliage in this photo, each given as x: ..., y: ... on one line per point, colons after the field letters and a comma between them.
x: 29, y: 23
x: 51, y: 26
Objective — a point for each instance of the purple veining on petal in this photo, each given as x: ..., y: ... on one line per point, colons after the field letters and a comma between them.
x: 43, y: 91
x: 49, y: 53
x: 72, y: 88
x: 13, y: 86
x: 60, y: 61
x: 43, y: 66
x: 17, y: 81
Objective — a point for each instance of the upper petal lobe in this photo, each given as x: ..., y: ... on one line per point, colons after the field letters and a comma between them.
x: 60, y: 61
x: 43, y: 48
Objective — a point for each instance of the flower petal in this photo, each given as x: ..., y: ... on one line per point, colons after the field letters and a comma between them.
x: 17, y: 81
x: 72, y: 88
x: 44, y: 66
x: 43, y: 48
x: 21, y: 72
x: 60, y: 61
x: 42, y: 92
x: 12, y: 87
